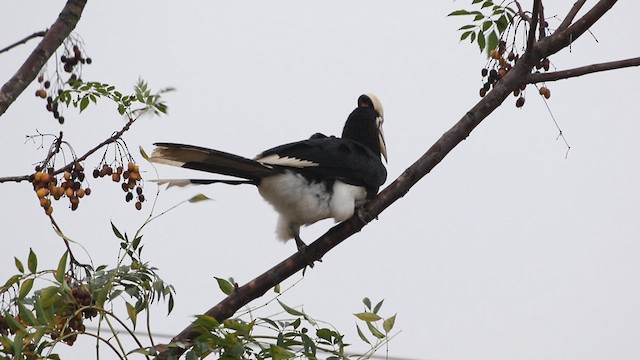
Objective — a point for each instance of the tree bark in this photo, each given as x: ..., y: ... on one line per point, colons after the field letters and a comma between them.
x: 54, y: 37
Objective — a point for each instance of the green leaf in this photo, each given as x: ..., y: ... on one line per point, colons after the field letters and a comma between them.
x: 276, y: 289
x: 116, y: 231
x: 26, y: 315
x: 198, y: 198
x: 361, y: 335
x: 19, y: 265
x: 367, y: 303
x: 377, y: 307
x: 32, y: 261
x: 465, y: 27
x: 475, y: 2
x: 280, y: 353
x: 375, y: 332
x: 502, y: 23
x: 133, y: 314
x: 25, y: 288
x: 143, y: 153
x: 458, y: 13
x: 291, y: 310
x: 465, y: 35
x: 224, y: 285
x: 84, y: 103
x: 367, y: 316
x: 136, y: 242
x: 170, y: 304
x: 387, y: 325
x: 486, y: 25
x: 479, y: 17
x: 18, y: 344
x: 13, y: 323
x: 481, y: 40
x: 62, y: 268
x: 486, y: 4
x: 325, y: 334
x: 49, y: 296
x: 12, y: 280
x: 208, y: 322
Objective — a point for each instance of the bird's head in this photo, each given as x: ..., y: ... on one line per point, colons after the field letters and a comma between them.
x: 372, y: 101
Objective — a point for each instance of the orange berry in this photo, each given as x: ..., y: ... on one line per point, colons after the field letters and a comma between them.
x: 80, y: 193
x: 69, y: 192
x: 42, y: 192
x: 48, y: 210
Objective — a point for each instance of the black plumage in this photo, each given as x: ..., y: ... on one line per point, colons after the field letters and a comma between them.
x: 306, y: 181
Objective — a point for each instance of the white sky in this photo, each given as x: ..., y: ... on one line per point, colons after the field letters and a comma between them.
x: 507, y: 250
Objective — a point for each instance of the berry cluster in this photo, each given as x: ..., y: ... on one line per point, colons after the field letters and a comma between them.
x: 69, y: 320
x: 71, y: 61
x: 52, y: 104
x: 500, y: 64
x: 47, y: 186
x: 131, y: 179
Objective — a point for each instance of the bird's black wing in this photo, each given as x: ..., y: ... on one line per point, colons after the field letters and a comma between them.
x: 322, y: 157
x: 209, y: 160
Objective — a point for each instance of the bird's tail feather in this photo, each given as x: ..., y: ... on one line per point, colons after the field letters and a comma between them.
x: 209, y: 160
x: 187, y: 182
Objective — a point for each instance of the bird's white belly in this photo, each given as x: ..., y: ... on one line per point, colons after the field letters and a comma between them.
x: 300, y: 202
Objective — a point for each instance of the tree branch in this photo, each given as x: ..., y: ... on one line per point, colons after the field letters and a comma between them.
x: 561, y: 39
x: 583, y: 70
x: 23, y: 41
x: 54, y: 37
x: 113, y: 138
x: 398, y: 188
x: 571, y: 15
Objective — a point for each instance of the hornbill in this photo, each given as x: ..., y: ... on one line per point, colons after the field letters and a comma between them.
x: 305, y: 181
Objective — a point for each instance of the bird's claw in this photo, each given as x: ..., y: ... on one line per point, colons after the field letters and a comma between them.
x: 302, y: 249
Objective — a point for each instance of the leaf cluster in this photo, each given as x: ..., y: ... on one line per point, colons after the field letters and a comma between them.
x: 488, y: 24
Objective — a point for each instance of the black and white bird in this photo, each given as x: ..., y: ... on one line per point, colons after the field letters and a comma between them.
x: 306, y: 181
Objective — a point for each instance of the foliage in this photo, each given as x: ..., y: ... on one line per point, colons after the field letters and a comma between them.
x: 488, y: 24
x: 293, y: 334
x: 33, y: 323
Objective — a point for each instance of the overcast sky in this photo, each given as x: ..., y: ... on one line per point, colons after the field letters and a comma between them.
x: 507, y: 250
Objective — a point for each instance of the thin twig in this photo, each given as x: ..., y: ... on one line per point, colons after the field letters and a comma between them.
x: 113, y: 138
x: 531, y: 39
x: 24, y: 41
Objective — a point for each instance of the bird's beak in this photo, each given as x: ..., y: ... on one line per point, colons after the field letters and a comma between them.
x: 383, y: 145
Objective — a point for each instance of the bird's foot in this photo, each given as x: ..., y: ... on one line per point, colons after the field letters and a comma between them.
x: 302, y: 249
x: 362, y: 215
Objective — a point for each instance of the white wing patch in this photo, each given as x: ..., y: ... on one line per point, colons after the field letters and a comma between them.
x: 275, y: 159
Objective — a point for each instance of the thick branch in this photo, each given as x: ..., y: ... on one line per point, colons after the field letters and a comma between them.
x: 23, y: 41
x: 59, y: 31
x: 561, y: 39
x: 460, y: 131
x: 584, y: 70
